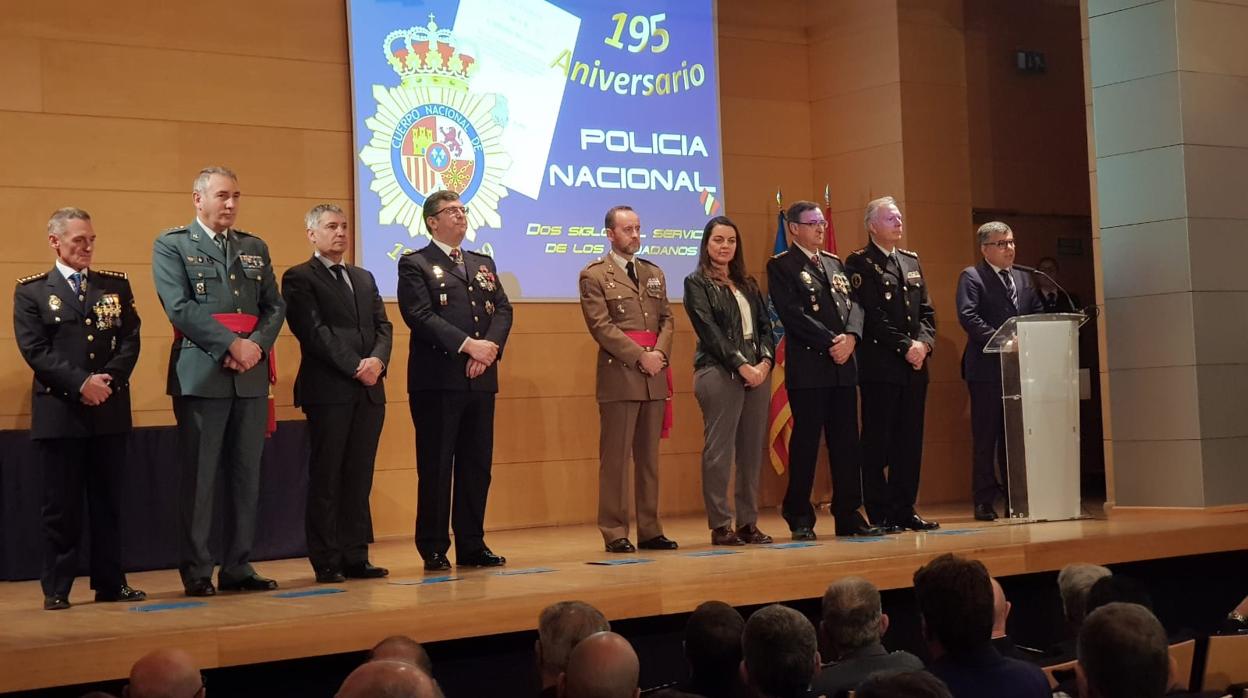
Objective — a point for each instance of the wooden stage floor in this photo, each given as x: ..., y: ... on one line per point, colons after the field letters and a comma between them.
x: 94, y: 642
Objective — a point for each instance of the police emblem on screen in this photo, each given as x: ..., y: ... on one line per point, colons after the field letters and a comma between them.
x: 432, y: 132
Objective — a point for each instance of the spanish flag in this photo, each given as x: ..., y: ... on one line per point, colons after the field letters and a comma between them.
x: 779, y: 418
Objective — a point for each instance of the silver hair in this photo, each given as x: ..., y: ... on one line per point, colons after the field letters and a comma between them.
x: 873, y: 206
x: 851, y: 613
x: 314, y: 214
x: 201, y: 180
x: 991, y: 228
x: 1074, y: 582
x: 57, y: 225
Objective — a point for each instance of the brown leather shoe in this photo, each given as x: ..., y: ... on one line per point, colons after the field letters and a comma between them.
x: 725, y: 536
x: 750, y: 534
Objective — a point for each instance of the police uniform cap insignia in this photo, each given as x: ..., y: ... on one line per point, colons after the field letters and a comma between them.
x: 32, y: 277
x: 109, y: 272
x: 908, y: 252
x: 54, y: 302
x: 856, y: 280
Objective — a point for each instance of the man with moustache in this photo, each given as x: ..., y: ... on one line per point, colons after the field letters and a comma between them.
x: 219, y: 291
x: 460, y: 318
x: 77, y: 328
x: 624, y: 301
x: 990, y: 293
x: 899, y: 331
x: 823, y: 323
x: 336, y: 312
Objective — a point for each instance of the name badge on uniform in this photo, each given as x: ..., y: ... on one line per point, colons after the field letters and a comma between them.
x: 442, y: 298
x: 251, y: 261
x: 654, y: 287
x: 913, y: 278
x: 841, y: 283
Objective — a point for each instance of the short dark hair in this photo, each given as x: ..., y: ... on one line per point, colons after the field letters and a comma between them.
x: 561, y: 627
x: 1124, y: 652
x: 903, y: 684
x: 955, y: 598
x: 797, y: 208
x: 1117, y: 588
x: 609, y: 219
x: 779, y: 647
x: 713, y: 640
x: 433, y: 202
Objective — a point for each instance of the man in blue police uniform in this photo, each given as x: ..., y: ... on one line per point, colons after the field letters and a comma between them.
x: 78, y: 329
x: 822, y: 325
x: 899, y: 332
x: 218, y: 288
x: 460, y: 317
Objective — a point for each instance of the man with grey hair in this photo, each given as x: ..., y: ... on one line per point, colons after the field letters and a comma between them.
x: 165, y: 673
x: 780, y: 653
x: 560, y: 627
x: 898, y: 333
x: 1073, y: 583
x: 336, y: 312
x: 603, y: 665
x: 1123, y: 653
x: 990, y: 293
x: 77, y: 328
x: 852, y: 627
x: 218, y: 289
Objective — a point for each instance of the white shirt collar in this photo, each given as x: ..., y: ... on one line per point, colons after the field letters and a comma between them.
x: 210, y: 231
x: 66, y: 270
x: 444, y: 247
x: 619, y: 259
x: 329, y: 263
x: 881, y: 249
x: 996, y: 269
x: 809, y: 254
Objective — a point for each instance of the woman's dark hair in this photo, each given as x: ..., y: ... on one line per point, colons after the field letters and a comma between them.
x: 736, y: 266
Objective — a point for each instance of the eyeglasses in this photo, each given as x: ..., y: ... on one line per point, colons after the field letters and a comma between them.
x: 454, y: 211
x: 817, y: 224
x: 1000, y: 244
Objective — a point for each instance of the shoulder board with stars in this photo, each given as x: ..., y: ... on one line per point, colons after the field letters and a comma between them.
x: 108, y: 272
x: 908, y: 252
x: 32, y: 277
x: 175, y: 229
x: 646, y: 261
x: 242, y: 232
x: 778, y: 255
x: 829, y: 254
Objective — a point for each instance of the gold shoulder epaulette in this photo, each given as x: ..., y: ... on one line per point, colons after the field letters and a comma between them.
x: 778, y: 255
x: 32, y: 277
x: 114, y: 274
x: 908, y: 252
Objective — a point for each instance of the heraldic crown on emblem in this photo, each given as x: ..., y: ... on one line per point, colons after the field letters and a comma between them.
x: 428, y: 57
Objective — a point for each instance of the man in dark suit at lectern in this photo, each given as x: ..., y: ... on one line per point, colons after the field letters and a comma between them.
x: 336, y: 313
x: 990, y: 293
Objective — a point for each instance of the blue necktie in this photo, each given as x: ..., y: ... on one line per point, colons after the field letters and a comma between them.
x: 75, y: 282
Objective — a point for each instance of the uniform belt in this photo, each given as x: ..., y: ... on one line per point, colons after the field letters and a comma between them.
x: 647, y: 340
x: 244, y: 324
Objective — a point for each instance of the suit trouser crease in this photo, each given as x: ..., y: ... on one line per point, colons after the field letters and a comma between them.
x: 454, y: 450
x: 734, y: 427
x: 833, y: 411
x: 220, y: 436
x: 344, y: 440
x: 629, y: 430
x: 988, y: 441
x: 78, y: 471
x: 892, y: 439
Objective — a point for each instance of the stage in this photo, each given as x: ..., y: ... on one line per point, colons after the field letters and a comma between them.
x: 95, y: 642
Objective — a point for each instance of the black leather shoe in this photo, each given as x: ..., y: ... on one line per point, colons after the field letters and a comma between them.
x: 803, y: 533
x: 437, y: 562
x: 366, y: 570
x: 856, y: 526
x: 56, y: 602
x: 122, y: 593
x: 914, y: 522
x: 985, y: 512
x: 750, y: 535
x: 201, y: 586
x: 329, y: 575
x: 889, y: 528
x: 621, y: 545
x: 253, y: 583
x: 659, y: 542
x: 483, y: 558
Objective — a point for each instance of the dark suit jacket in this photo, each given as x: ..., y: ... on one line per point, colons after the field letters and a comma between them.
x: 897, y: 311
x: 983, y: 306
x: 814, y: 309
x: 838, y: 678
x: 984, y: 672
x: 335, y: 331
x: 65, y: 341
x: 444, y: 306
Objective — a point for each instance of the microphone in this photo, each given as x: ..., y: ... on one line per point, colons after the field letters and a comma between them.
x: 1069, y: 301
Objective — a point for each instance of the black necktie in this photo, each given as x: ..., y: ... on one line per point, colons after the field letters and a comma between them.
x: 341, y: 274
x: 632, y: 270
x: 1009, y: 286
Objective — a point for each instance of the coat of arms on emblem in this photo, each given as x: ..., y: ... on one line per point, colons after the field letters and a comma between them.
x: 431, y: 132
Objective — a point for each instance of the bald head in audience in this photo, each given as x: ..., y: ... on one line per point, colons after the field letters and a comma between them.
x: 386, y: 678
x: 602, y: 665
x: 401, y: 648
x: 165, y: 673
x: 1000, y: 610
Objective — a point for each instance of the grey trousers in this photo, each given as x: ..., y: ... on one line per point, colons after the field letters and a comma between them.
x: 734, y: 421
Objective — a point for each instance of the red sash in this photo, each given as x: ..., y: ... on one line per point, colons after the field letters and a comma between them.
x: 243, y: 322
x: 647, y: 340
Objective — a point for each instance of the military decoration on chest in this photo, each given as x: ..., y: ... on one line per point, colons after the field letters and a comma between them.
x: 107, y: 311
x: 654, y: 287
x: 809, y: 282
x: 840, y: 283
x: 486, y: 280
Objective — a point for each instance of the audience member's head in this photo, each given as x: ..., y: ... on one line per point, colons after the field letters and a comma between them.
x: 905, y: 684
x: 1118, y: 588
x: 955, y: 599
x: 780, y: 652
x: 400, y: 648
x: 852, y: 617
x: 559, y: 628
x: 1074, y: 582
x: 713, y: 643
x: 1122, y: 653
x: 602, y: 665
x: 165, y: 673
x: 1000, y: 609
x: 386, y: 678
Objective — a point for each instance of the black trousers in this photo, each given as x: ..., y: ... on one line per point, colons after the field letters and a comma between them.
x: 77, y: 471
x: 344, y: 439
x: 834, y: 412
x: 454, y: 450
x: 988, y: 439
x: 892, y: 439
